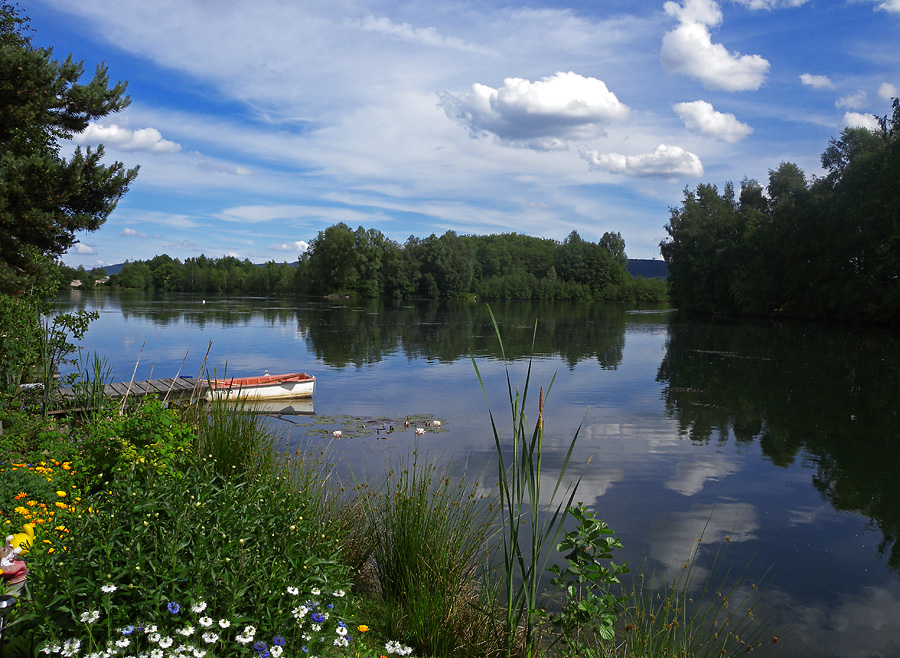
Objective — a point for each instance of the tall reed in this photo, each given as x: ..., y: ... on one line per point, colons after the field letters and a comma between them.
x: 237, y: 441
x: 428, y: 532
x: 527, y: 534
x: 88, y: 390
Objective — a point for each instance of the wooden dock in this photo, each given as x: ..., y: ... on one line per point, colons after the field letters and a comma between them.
x: 171, y: 388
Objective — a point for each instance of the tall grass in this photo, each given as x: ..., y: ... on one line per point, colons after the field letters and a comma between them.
x: 711, y: 618
x: 238, y: 442
x: 88, y: 390
x: 428, y: 533
x: 527, y: 534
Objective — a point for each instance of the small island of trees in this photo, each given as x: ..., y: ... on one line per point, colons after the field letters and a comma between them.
x: 365, y: 263
x: 826, y: 248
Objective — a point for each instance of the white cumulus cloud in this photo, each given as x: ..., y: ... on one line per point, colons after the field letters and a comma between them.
x: 300, y: 246
x: 887, y: 91
x: 857, y: 120
x: 816, y: 81
x: 700, y: 117
x: 689, y: 50
x: 81, y: 248
x: 855, y: 101
x: 130, y: 232
x: 144, y: 139
x: 665, y: 161
x: 539, y: 114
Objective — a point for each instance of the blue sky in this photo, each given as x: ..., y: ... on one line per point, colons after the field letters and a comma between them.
x: 258, y: 123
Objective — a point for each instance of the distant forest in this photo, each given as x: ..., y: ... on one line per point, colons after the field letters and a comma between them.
x: 826, y: 248
x: 365, y: 263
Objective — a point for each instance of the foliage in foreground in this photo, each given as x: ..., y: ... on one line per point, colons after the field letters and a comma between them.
x: 158, y: 536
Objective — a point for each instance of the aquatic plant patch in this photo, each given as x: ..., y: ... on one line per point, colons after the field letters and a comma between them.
x: 356, y: 427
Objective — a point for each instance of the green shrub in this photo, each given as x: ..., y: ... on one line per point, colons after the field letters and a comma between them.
x: 232, y: 543
x: 149, y: 439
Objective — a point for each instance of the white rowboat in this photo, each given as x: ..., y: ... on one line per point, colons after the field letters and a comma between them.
x: 266, y: 387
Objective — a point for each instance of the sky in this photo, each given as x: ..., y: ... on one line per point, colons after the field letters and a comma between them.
x: 259, y: 123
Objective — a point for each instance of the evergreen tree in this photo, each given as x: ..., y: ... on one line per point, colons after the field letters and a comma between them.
x: 45, y: 198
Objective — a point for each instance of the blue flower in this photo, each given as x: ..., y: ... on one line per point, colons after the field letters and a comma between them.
x: 318, y: 617
x: 331, y: 606
x: 128, y: 630
x: 264, y: 654
x: 278, y: 641
x: 304, y: 649
x: 259, y: 646
x: 173, y: 607
x: 342, y: 624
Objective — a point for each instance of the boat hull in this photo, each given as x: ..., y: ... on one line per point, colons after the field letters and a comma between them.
x: 269, y: 387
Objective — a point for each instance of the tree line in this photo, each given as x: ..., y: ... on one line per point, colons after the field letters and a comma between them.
x: 365, y: 263
x: 823, y: 248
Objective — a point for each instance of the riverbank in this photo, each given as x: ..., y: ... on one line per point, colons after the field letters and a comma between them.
x: 194, y: 531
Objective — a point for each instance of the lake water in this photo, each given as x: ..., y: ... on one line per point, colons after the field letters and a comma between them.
x: 781, y: 440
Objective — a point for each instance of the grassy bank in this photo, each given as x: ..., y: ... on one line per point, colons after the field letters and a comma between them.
x: 168, y: 532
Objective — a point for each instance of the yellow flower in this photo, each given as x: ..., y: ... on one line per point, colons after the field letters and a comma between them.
x: 32, y: 503
x: 66, y: 466
x: 61, y: 494
x: 61, y: 505
x: 362, y: 628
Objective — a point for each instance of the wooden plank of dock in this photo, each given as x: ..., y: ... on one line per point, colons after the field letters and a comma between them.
x: 173, y: 387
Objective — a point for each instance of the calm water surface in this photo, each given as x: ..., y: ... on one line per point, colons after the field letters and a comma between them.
x: 781, y: 437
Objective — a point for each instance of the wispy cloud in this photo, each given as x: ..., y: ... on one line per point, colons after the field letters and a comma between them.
x: 130, y: 232
x: 855, y: 101
x: 887, y: 91
x: 428, y: 36
x: 257, y: 214
x: 770, y: 4
x: 892, y: 6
